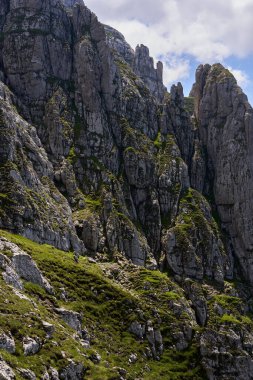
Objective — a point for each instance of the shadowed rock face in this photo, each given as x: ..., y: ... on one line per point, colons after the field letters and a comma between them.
x: 98, y: 154
x: 144, y: 67
x: 225, y: 121
x: 71, y: 3
x: 96, y: 157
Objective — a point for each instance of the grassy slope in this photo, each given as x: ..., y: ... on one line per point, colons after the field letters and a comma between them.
x: 108, y: 309
x: 110, y: 296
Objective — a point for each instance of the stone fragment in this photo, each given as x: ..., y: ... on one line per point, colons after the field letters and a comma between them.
x: 31, y: 346
x: 133, y: 358
x: 137, y: 329
x: 72, y: 318
x: 49, y: 328
x: 74, y: 371
x: 95, y: 358
x: 27, y: 374
x: 28, y: 270
x: 7, y: 343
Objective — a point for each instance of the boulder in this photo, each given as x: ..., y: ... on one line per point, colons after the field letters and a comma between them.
x: 6, y: 373
x: 72, y: 318
x: 31, y: 346
x: 7, y: 343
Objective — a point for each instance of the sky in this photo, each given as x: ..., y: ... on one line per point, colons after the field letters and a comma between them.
x: 185, y: 33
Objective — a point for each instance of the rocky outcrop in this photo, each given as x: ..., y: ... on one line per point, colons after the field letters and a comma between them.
x: 144, y: 67
x: 51, y: 374
x: 153, y: 336
x: 28, y: 270
x: 30, y: 203
x: 97, y: 158
x: 74, y: 371
x: 193, y: 247
x: 225, y: 121
x: 6, y: 373
x: 72, y: 318
x: 117, y: 42
x: 31, y: 346
x: 7, y: 343
x: 49, y: 329
x: 19, y: 265
x: 91, y: 104
x: 218, y: 360
x: 27, y: 374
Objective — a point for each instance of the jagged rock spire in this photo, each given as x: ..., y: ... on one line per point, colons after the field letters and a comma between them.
x: 225, y: 120
x: 144, y: 67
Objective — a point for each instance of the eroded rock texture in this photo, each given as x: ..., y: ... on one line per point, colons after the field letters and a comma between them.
x: 99, y: 155
x: 225, y: 121
x: 98, y: 158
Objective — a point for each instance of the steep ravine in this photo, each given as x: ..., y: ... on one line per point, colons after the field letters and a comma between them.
x: 97, y: 158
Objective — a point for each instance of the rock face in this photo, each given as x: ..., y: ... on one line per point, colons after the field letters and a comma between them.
x: 225, y: 121
x: 80, y: 99
x: 6, y: 373
x: 117, y: 41
x: 96, y: 157
x: 144, y: 67
x: 27, y: 269
x: 72, y: 318
x: 191, y: 257
x: 71, y: 3
x: 27, y: 374
x: 31, y: 346
x: 7, y: 343
x: 93, y: 160
x: 73, y: 372
x: 20, y: 266
x: 27, y: 182
x: 217, y: 359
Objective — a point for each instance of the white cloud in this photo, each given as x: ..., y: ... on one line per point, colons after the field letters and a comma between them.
x: 208, y: 30
x: 175, y: 69
x: 241, y: 77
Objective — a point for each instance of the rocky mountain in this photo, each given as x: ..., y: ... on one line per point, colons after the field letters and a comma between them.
x: 151, y: 191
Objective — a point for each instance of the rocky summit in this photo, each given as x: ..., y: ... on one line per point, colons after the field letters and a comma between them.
x: 126, y: 210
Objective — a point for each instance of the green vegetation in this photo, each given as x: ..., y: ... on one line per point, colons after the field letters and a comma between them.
x: 72, y: 156
x: 135, y: 139
x: 93, y: 203
x: 158, y: 141
x: 108, y: 310
x: 125, y: 69
x: 189, y: 104
x: 227, y: 318
x: 168, y: 151
x: 193, y: 204
x: 231, y: 312
x: 220, y: 74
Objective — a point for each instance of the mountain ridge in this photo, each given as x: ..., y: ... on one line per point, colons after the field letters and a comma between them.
x: 98, y: 158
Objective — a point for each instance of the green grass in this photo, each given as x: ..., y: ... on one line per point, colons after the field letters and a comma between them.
x: 108, y: 310
x: 93, y: 203
x: 158, y: 141
x: 189, y: 104
x: 72, y: 155
x: 227, y: 318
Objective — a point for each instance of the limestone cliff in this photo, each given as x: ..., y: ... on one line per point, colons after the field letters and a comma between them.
x: 225, y: 121
x: 96, y: 157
